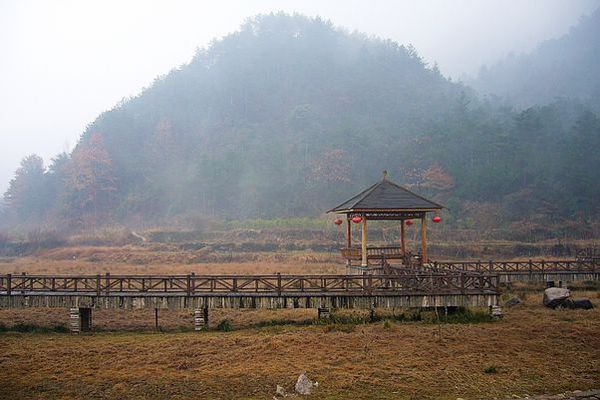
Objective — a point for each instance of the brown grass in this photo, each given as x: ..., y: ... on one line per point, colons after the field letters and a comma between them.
x: 137, y: 260
x: 533, y: 350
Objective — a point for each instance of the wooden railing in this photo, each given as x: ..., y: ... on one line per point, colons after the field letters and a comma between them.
x: 589, y: 255
x: 251, y: 285
x: 517, y: 267
x: 381, y: 253
x: 389, y: 252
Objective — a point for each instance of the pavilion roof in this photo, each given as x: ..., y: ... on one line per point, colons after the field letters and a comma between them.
x: 386, y: 196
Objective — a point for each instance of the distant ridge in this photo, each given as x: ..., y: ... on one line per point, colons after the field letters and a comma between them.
x: 565, y: 67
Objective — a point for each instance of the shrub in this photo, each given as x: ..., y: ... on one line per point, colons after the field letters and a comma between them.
x: 224, y: 326
x: 31, y: 328
x: 346, y: 328
x: 467, y: 316
x: 491, y: 370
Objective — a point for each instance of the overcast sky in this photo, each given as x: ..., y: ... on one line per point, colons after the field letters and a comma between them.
x: 64, y: 62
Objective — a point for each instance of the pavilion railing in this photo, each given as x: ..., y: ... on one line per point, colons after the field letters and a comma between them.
x: 374, y: 252
x: 380, y: 254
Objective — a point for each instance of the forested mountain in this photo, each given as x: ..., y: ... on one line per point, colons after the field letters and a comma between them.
x: 289, y: 116
x: 565, y: 67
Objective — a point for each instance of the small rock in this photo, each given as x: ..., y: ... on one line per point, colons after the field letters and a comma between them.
x: 554, y: 296
x: 304, y: 385
x: 515, y: 301
x: 280, y: 391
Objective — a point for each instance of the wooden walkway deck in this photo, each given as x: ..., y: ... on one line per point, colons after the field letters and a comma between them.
x: 434, y: 284
x: 250, y: 291
x: 529, y: 271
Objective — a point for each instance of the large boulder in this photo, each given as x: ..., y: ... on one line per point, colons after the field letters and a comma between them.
x: 555, y: 296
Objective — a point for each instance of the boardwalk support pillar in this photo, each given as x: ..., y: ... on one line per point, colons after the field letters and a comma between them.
x: 324, y: 313
x: 80, y: 319
x: 201, y: 318
x: 496, y: 311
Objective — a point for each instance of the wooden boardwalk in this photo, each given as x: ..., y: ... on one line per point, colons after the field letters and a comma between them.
x: 437, y: 284
x: 250, y: 291
x: 529, y: 271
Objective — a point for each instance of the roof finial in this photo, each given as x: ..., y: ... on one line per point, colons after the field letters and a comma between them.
x: 385, y: 175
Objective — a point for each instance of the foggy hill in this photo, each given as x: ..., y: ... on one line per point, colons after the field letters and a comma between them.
x: 288, y: 117
x: 279, y: 118
x: 565, y: 67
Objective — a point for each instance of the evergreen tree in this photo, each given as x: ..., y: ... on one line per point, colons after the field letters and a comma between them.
x: 25, y: 195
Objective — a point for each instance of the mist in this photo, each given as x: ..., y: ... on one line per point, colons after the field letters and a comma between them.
x: 65, y: 62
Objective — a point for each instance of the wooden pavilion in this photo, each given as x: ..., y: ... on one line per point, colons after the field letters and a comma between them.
x: 388, y: 201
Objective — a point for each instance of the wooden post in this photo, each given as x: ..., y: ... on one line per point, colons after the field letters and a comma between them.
x: 364, y: 242
x: 107, y: 283
x: 279, y: 284
x: 23, y: 275
x: 156, y: 326
x: 348, y: 232
x: 424, y: 240
x: 348, y: 239
x: 8, y: 284
x: 402, y: 242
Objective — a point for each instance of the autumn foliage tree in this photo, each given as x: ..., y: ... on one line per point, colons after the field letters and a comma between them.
x: 90, y: 183
x: 435, y: 177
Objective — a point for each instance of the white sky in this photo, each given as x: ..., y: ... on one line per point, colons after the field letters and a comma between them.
x: 63, y: 62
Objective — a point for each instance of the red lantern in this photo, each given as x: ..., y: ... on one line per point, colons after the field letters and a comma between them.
x: 436, y: 219
x: 408, y: 222
x: 357, y: 220
x: 337, y: 221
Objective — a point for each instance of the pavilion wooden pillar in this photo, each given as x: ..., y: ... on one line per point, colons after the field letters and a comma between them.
x: 402, y: 241
x: 364, y: 242
x: 424, y: 240
x: 348, y: 239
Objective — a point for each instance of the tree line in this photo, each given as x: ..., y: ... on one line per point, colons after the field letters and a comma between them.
x: 290, y: 116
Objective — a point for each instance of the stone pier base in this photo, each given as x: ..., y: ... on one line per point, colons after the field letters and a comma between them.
x: 201, y: 319
x: 80, y: 319
x: 324, y: 313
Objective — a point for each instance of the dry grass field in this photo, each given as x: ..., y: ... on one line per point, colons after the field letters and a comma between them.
x: 532, y: 350
x: 140, y: 260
